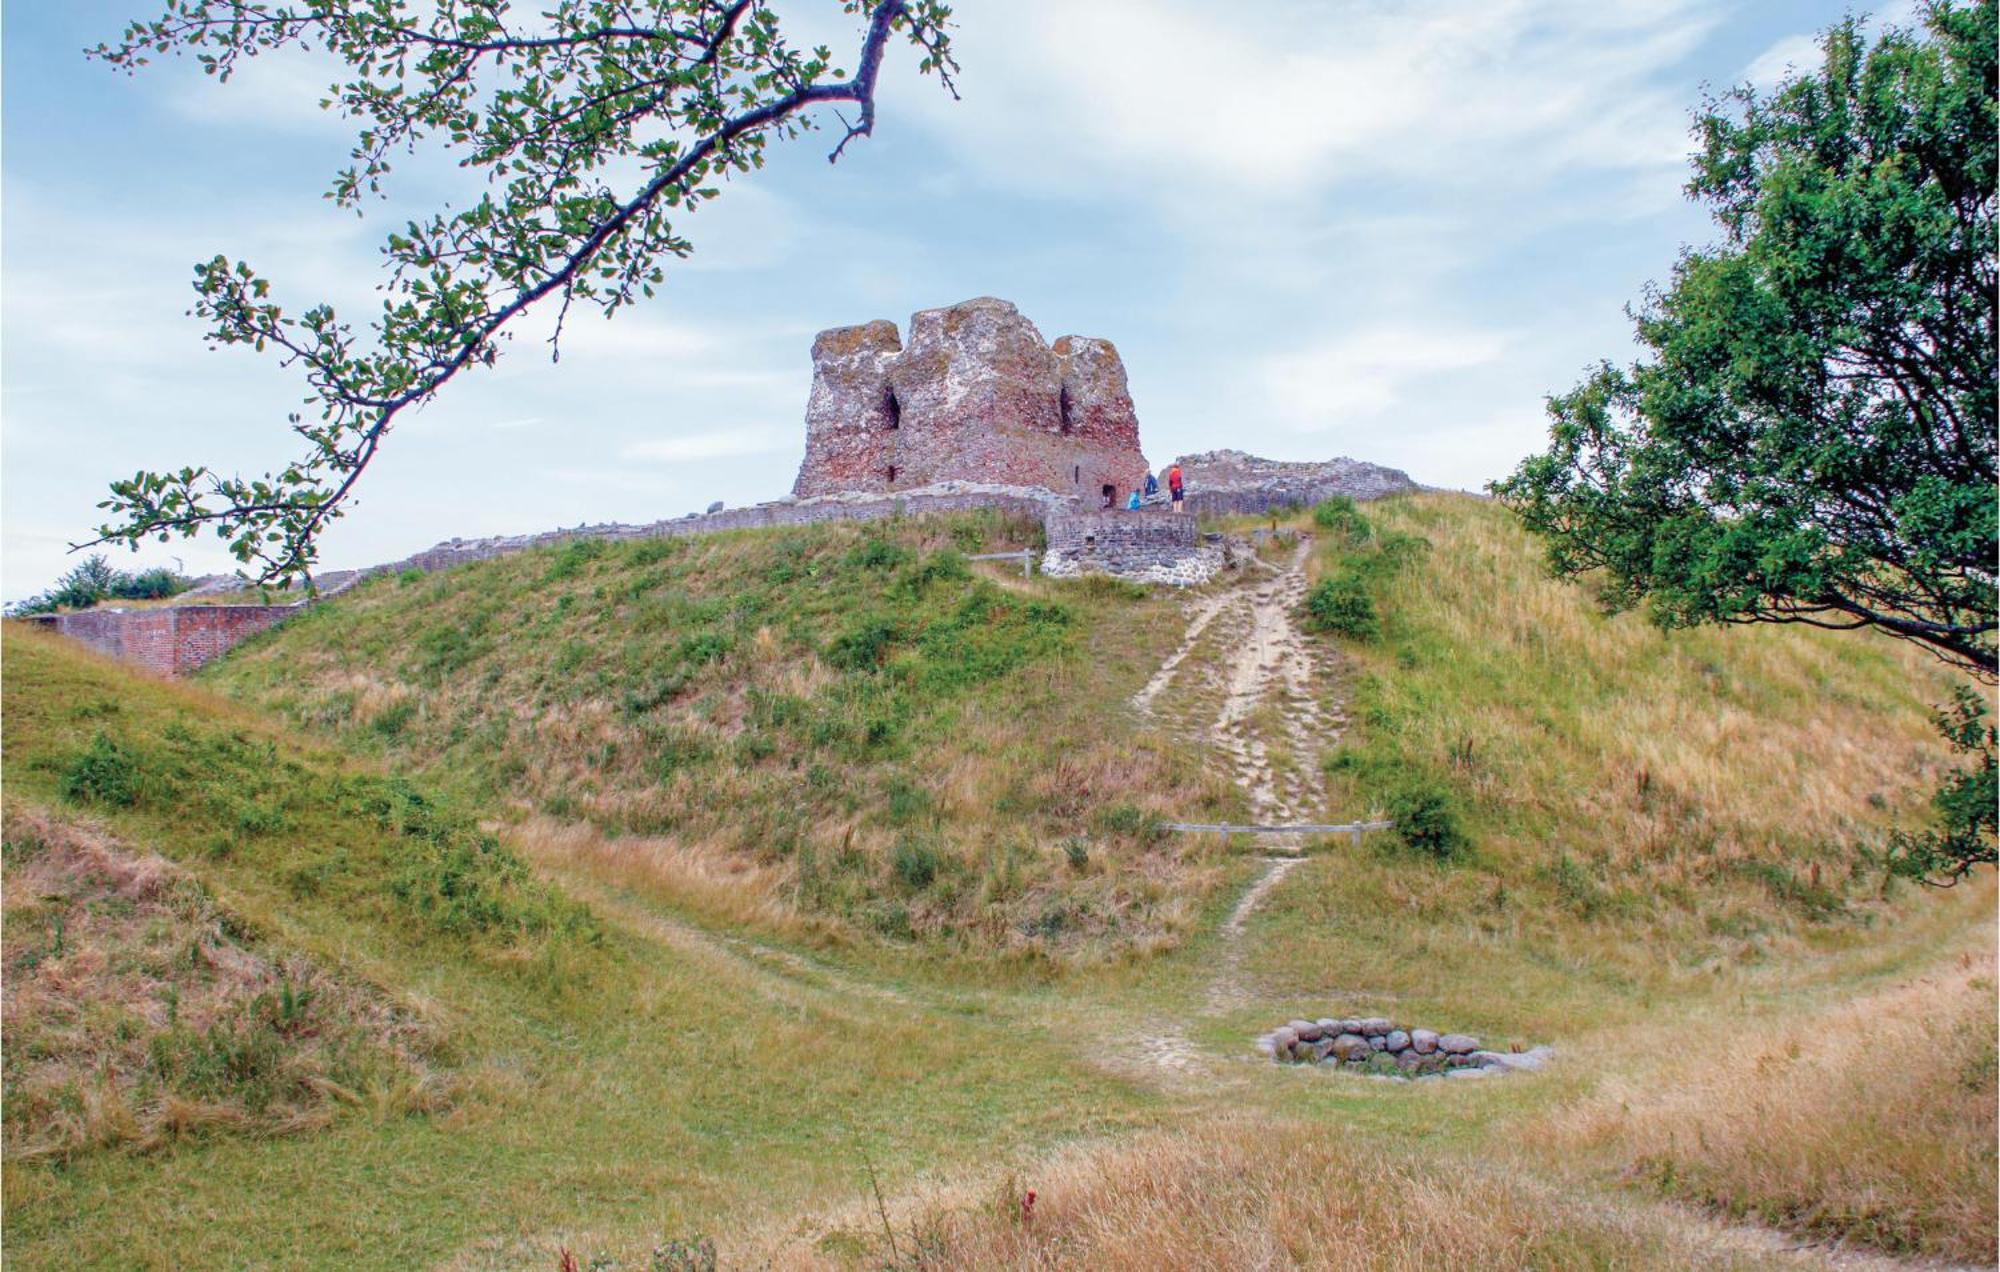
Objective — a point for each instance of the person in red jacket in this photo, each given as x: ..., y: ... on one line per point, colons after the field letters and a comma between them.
x: 1176, y: 488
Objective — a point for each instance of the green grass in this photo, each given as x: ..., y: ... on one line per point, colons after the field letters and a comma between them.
x: 699, y: 953
x: 822, y: 706
x: 637, y: 1077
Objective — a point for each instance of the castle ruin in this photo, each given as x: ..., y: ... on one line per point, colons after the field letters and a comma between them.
x: 975, y: 396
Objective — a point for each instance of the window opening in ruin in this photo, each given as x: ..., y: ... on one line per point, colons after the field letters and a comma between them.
x: 1077, y: 475
x: 894, y: 409
x: 1062, y: 402
x: 1110, y: 493
x: 892, y: 473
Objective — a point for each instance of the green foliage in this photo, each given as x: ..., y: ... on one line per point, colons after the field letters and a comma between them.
x: 1965, y: 803
x: 1363, y: 560
x: 95, y: 581
x: 596, y: 136
x: 100, y: 774
x: 1812, y: 437
x: 915, y: 861
x: 1341, y: 516
x: 864, y: 642
x: 573, y: 556
x: 1427, y: 820
x: 1342, y: 606
x: 1077, y: 852
x: 877, y: 554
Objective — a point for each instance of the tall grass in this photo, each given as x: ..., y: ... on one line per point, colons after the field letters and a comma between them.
x: 1873, y: 1123
x: 851, y: 721
x: 139, y: 1012
x: 1245, y: 1193
x: 1608, y: 768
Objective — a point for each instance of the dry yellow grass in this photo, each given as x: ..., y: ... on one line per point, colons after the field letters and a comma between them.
x: 1559, y: 717
x: 1873, y: 1122
x: 137, y: 1012
x: 1250, y: 1193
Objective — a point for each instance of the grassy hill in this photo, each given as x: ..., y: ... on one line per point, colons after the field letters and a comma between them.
x: 804, y: 889
x: 834, y: 723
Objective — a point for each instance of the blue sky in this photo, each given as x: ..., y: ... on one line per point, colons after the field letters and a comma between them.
x: 1375, y: 228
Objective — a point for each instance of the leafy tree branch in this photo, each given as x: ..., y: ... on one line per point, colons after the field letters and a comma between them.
x: 1811, y: 436
x: 556, y: 109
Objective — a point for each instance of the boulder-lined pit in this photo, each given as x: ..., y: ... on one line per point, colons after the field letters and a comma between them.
x: 1379, y: 1046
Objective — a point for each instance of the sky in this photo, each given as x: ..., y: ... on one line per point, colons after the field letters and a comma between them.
x: 1385, y: 229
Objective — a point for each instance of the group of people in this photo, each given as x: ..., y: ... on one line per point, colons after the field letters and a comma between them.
x: 1176, y: 490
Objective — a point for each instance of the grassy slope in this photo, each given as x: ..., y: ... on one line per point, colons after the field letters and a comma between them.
x: 852, y: 722
x: 1669, y: 869
x: 599, y: 1117
x: 650, y: 1078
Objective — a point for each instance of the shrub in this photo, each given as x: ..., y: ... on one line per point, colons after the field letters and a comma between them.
x: 1078, y: 853
x: 1426, y: 820
x: 1341, y: 605
x: 1339, y: 514
x: 706, y: 647
x: 877, y: 554
x: 95, y: 580
x: 100, y: 774
x: 915, y: 862
x: 945, y: 566
x: 862, y: 646
x: 573, y: 556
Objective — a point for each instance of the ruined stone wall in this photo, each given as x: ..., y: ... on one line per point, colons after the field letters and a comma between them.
x: 1229, y: 482
x: 170, y: 640
x: 976, y: 396
x: 759, y: 516
x: 1148, y: 546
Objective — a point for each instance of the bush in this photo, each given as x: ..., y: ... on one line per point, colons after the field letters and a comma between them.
x: 573, y: 556
x: 100, y: 774
x: 95, y: 581
x: 877, y: 554
x: 862, y: 646
x: 915, y: 862
x: 1340, y: 515
x: 1342, y: 605
x: 1426, y: 820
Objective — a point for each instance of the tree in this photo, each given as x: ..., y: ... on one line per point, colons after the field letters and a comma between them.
x: 95, y: 581
x: 596, y: 123
x: 1811, y: 438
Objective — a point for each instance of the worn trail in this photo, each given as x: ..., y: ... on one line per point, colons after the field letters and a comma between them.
x: 1270, y: 729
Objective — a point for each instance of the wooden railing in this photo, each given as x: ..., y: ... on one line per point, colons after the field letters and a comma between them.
x: 1352, y: 830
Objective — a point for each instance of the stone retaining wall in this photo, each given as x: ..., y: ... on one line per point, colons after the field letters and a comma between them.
x: 1148, y: 545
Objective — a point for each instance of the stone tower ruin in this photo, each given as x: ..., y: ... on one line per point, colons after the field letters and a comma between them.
x: 976, y: 396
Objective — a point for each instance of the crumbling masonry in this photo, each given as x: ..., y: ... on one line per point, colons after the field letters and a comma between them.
x: 976, y: 396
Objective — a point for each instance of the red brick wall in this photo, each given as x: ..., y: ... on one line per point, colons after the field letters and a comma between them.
x: 171, y: 641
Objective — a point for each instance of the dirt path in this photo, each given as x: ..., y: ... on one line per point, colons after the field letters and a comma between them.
x: 1271, y: 729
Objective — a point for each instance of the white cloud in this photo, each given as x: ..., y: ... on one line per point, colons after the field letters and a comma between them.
x: 1269, y: 103
x: 1366, y: 372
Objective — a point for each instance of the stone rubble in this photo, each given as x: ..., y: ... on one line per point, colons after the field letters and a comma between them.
x: 1230, y: 481
x: 1379, y: 1047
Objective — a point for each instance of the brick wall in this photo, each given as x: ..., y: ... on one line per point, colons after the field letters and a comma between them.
x: 169, y: 641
